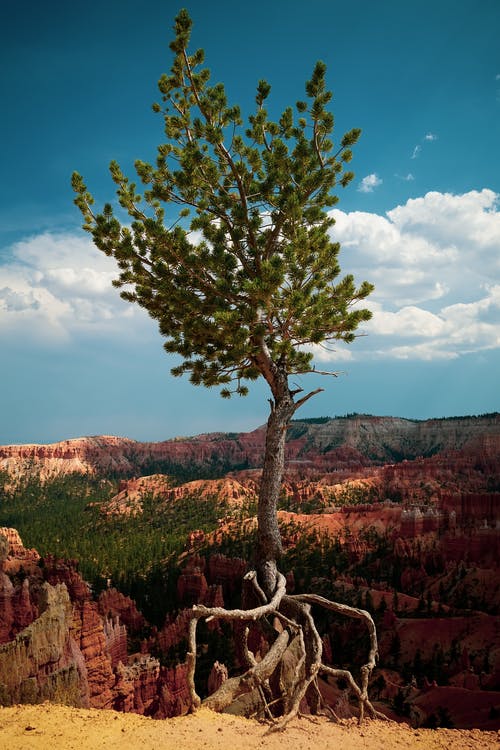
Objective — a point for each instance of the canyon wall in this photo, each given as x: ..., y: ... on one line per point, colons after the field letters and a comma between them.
x: 334, y: 444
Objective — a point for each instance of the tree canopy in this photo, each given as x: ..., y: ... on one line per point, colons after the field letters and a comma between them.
x: 243, y: 283
x: 246, y: 278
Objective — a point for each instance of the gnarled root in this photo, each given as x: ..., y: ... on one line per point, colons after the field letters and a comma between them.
x: 253, y: 678
x: 295, y: 625
x: 361, y: 692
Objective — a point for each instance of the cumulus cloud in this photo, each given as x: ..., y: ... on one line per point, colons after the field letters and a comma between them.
x: 434, y: 261
x: 14, y: 301
x: 468, y: 220
x: 56, y: 286
x: 369, y: 183
x: 435, y: 264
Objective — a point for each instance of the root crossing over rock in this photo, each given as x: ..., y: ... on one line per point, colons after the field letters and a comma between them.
x: 295, y: 625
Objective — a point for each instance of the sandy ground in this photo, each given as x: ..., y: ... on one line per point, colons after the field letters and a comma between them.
x: 49, y: 727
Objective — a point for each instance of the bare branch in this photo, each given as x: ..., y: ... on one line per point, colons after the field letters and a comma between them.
x: 331, y: 373
x: 307, y: 397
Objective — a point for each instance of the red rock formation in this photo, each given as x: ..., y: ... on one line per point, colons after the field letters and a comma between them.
x: 6, y: 608
x: 88, y: 633
x: 57, y: 570
x: 82, y: 456
x: 89, y: 664
x: 137, y: 685
x: 341, y: 443
x: 214, y: 598
x: 472, y: 506
x: 174, y: 693
x: 113, y: 603
x: 128, y: 501
x: 17, y: 610
x: 42, y: 661
x: 115, y: 636
x: 131, y: 492
x: 195, y: 539
x: 25, y: 611
x: 218, y: 675
x: 481, y: 546
x: 225, y: 490
x: 174, y: 630
x: 17, y: 555
x: 16, y: 548
x: 192, y: 587
x: 226, y: 571
x: 463, y: 707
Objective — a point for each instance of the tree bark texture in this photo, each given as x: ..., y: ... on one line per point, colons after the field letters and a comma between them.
x: 269, y: 547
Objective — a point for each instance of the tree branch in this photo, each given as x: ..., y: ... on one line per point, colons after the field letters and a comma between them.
x: 305, y: 398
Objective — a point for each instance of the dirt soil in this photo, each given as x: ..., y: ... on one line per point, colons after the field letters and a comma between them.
x: 50, y: 727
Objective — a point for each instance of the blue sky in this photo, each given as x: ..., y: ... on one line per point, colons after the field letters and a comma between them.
x: 421, y: 220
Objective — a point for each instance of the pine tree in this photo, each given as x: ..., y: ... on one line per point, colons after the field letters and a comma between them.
x: 244, y: 280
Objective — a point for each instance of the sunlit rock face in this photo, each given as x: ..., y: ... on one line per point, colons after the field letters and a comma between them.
x: 57, y: 643
x: 431, y: 489
x: 343, y: 443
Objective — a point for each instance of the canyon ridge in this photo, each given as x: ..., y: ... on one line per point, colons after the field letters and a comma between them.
x: 400, y: 517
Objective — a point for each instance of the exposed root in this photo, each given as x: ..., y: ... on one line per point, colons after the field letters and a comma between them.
x: 191, y: 665
x: 294, y: 620
x: 366, y: 670
x: 209, y: 613
x: 363, y: 699
x: 360, y: 614
x: 312, y: 648
x: 253, y: 678
x: 250, y: 662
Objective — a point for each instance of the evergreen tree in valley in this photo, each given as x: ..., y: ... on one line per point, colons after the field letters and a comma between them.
x: 245, y: 279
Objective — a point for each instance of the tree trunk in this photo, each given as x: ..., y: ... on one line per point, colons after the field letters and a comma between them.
x: 269, y: 547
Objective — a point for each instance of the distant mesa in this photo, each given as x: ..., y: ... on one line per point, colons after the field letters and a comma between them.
x: 323, y: 445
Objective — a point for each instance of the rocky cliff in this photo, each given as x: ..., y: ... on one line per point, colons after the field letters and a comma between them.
x: 323, y: 445
x: 397, y: 516
x: 59, y: 644
x: 41, y: 662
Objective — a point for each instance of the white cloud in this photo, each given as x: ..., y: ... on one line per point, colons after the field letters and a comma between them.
x: 57, y: 285
x: 434, y: 262
x: 424, y: 352
x: 471, y: 220
x: 410, y: 321
x: 369, y: 183
x: 14, y: 301
x: 428, y: 138
x: 334, y: 351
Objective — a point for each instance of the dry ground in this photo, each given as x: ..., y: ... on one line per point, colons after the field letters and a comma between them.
x: 49, y: 727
